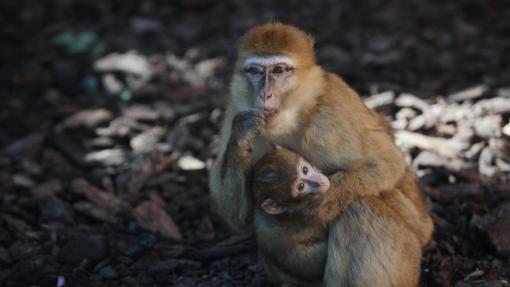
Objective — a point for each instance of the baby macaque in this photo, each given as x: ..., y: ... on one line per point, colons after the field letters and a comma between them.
x: 288, y: 192
x: 375, y: 241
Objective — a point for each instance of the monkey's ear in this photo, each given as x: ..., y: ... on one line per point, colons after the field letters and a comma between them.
x: 275, y: 146
x: 272, y: 207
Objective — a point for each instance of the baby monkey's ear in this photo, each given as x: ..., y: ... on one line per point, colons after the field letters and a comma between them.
x: 272, y: 207
x: 275, y: 146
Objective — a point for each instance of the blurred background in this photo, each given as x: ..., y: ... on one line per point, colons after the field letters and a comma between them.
x: 110, y: 113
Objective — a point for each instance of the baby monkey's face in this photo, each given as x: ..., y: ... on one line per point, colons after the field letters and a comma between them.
x: 284, y: 182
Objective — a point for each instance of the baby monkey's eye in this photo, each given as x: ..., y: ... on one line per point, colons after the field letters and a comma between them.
x: 305, y: 170
x: 301, y: 186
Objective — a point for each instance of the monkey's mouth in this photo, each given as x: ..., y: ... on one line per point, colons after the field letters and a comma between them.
x: 270, y: 116
x: 271, y: 112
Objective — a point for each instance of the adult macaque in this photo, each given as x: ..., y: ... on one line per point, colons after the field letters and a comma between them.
x: 279, y: 94
x: 376, y: 241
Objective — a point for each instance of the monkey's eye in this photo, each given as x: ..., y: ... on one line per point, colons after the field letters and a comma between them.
x: 254, y: 70
x: 278, y: 69
x: 305, y: 170
x: 301, y: 186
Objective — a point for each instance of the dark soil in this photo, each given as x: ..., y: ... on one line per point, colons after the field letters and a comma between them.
x: 103, y: 170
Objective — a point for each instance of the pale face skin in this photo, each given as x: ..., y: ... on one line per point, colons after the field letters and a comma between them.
x: 309, y: 180
x: 270, y: 78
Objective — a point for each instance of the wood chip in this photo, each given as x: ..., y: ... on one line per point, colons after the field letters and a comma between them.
x: 87, y: 118
x: 406, y: 114
x: 506, y: 129
x: 405, y: 100
x: 500, y: 147
x: 485, y: 163
x: 492, y: 106
x: 95, y: 212
x: 27, y: 145
x: 417, y: 123
x: 144, y: 169
x: 47, y: 189
x: 379, y: 100
x: 23, y: 180
x: 445, y: 147
x: 446, y: 129
x: 468, y: 94
x: 100, y: 198
x: 141, y: 113
x: 15, y: 223
x: 475, y: 149
x: 108, y: 157
x: 474, y: 275
x: 456, y: 113
x: 190, y: 163
x: 504, y: 92
x: 152, y: 217
x: 147, y: 140
x: 431, y: 159
x: 488, y: 126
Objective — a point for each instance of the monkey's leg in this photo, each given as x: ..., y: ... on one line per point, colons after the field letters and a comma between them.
x: 409, y: 202
x: 231, y: 196
x: 368, y: 246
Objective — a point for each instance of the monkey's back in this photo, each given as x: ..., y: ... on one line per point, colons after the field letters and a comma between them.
x: 380, y: 238
x: 407, y: 201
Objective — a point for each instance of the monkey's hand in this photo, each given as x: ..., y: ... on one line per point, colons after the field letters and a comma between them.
x: 245, y: 126
x: 365, y: 180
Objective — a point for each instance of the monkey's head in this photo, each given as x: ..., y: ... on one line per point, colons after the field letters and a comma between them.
x: 286, y: 184
x: 273, y: 60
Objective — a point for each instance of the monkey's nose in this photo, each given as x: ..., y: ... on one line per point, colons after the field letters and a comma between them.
x: 266, y: 97
x: 313, y: 184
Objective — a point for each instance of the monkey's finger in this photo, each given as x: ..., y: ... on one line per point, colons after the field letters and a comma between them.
x: 246, y: 144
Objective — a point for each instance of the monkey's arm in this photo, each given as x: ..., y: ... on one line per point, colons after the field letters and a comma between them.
x: 380, y: 168
x: 229, y: 177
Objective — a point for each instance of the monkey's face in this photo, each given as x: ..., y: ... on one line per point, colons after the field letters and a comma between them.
x: 270, y: 78
x: 273, y: 60
x: 286, y: 183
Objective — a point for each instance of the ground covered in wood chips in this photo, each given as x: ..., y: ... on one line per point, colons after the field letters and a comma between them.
x: 110, y: 113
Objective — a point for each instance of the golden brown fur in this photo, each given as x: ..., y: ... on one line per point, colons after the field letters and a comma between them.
x: 376, y: 241
x: 322, y: 119
x: 278, y: 39
x: 283, y: 161
x: 292, y: 246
